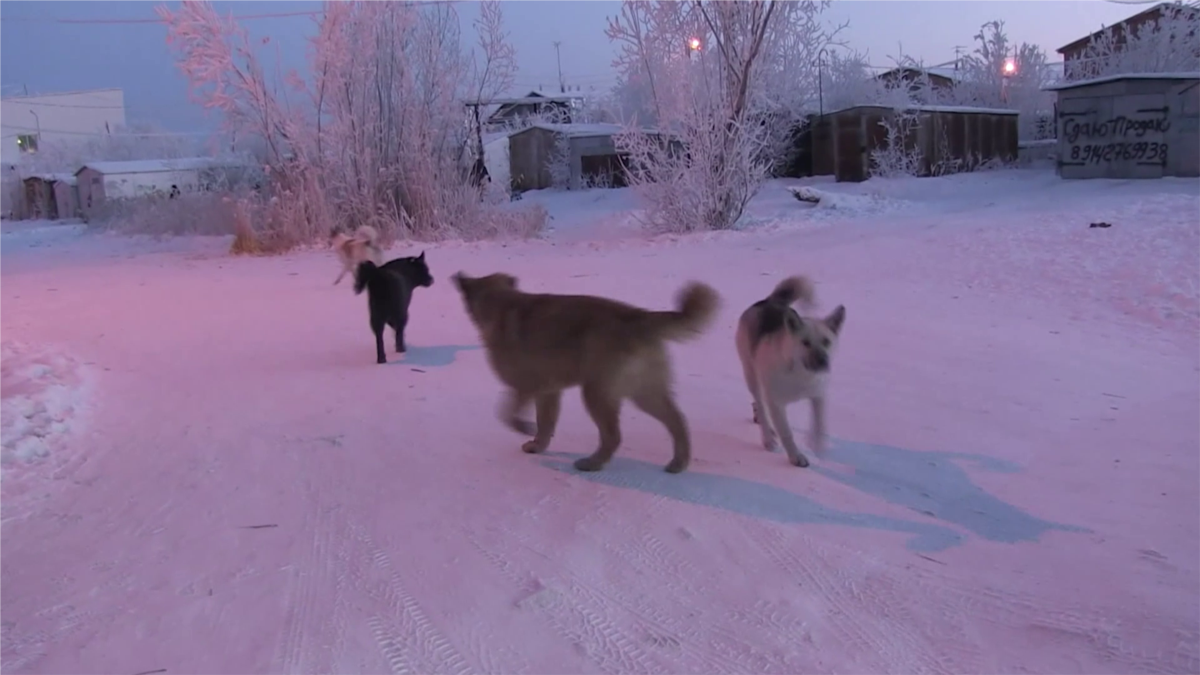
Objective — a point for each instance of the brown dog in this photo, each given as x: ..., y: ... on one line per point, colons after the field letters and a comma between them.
x: 540, y: 344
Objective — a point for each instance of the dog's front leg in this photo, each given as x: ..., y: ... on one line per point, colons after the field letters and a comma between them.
x: 780, y: 421
x: 817, y: 437
x: 548, y: 407
x: 761, y: 405
x: 510, y: 412
x: 339, y: 277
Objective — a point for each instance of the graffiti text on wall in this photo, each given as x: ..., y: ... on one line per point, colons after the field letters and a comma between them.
x: 1123, y: 138
x: 1141, y: 151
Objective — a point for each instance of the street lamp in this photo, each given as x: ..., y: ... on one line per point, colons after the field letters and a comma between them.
x: 694, y: 44
x: 1008, y: 70
x: 38, y: 121
x: 820, y: 84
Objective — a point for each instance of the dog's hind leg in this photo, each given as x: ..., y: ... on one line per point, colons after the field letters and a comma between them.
x: 660, y: 404
x: 605, y: 410
x: 548, y: 407
x: 401, y: 322
x: 779, y: 420
x: 756, y: 407
x: 339, y: 277
x: 510, y: 412
x: 377, y: 328
x: 817, y: 436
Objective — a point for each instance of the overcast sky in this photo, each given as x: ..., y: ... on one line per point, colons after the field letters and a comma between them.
x: 57, y: 46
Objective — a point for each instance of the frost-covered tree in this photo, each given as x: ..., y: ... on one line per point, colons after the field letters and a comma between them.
x: 712, y: 91
x: 1001, y: 74
x: 1168, y: 44
x: 375, y: 132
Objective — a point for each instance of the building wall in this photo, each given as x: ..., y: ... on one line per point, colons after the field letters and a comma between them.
x: 529, y: 152
x: 12, y: 193
x: 63, y: 118
x: 1132, y: 128
x: 496, y: 159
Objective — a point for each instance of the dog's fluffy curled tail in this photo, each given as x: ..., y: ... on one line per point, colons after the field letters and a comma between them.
x: 366, y: 234
x: 794, y: 289
x: 696, y: 307
x: 363, y: 274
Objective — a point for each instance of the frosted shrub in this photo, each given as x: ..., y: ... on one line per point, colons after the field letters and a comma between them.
x: 373, y: 134
x: 705, y: 127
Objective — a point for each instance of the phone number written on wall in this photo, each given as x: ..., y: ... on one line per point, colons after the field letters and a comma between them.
x: 1140, y: 151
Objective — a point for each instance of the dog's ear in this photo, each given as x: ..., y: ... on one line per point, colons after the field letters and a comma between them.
x: 421, y: 257
x: 460, y: 281
x: 508, y: 280
x: 835, y: 319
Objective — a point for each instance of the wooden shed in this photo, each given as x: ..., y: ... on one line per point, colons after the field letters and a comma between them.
x: 590, y: 154
x: 50, y: 196
x: 949, y: 139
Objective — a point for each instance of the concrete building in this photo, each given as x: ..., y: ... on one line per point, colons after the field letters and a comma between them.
x: 32, y: 122
x: 1143, y: 125
x: 101, y: 181
x: 591, y: 156
x: 1073, y: 53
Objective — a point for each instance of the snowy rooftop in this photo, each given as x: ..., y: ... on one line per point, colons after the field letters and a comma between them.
x: 54, y: 177
x: 582, y: 130
x: 1074, y: 84
x: 157, y: 165
x: 941, y: 71
x: 932, y: 108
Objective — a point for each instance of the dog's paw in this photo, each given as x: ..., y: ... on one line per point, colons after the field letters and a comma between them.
x: 381, y: 359
x: 676, y: 466
x: 798, y: 459
x: 532, y: 447
x: 754, y: 414
x: 769, y: 442
x: 588, y: 464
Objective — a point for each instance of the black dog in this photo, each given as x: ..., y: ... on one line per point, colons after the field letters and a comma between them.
x: 389, y: 292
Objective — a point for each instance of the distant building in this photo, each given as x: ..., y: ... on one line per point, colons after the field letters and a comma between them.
x: 31, y: 122
x: 102, y: 181
x: 939, y: 78
x: 515, y: 111
x: 1073, y: 53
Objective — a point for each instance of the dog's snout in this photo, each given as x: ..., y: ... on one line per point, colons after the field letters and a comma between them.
x: 818, y: 361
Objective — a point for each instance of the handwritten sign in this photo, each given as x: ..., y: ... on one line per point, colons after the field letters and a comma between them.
x: 1137, y: 138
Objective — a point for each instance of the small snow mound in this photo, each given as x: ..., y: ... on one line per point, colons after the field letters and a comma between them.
x: 42, y: 393
x: 849, y: 203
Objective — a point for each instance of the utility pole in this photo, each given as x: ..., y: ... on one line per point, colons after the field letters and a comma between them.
x: 562, y: 85
x: 958, y: 49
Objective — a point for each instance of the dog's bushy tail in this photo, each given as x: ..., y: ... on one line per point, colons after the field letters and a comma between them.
x: 696, y: 306
x: 794, y: 289
x: 367, y: 234
x: 363, y: 274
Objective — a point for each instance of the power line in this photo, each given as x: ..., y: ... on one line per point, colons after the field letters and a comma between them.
x: 65, y: 105
x: 152, y: 134
x: 244, y: 17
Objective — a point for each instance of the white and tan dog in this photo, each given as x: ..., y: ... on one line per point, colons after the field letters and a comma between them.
x: 351, y: 251
x: 786, y: 357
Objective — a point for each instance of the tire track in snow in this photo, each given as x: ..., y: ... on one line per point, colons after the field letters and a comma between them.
x: 413, y: 644
x: 303, y: 617
x: 1097, y: 628
x: 649, y: 553
x: 571, y: 615
x: 893, y: 646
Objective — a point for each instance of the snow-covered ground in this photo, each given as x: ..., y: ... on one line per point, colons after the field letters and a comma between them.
x: 206, y: 472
